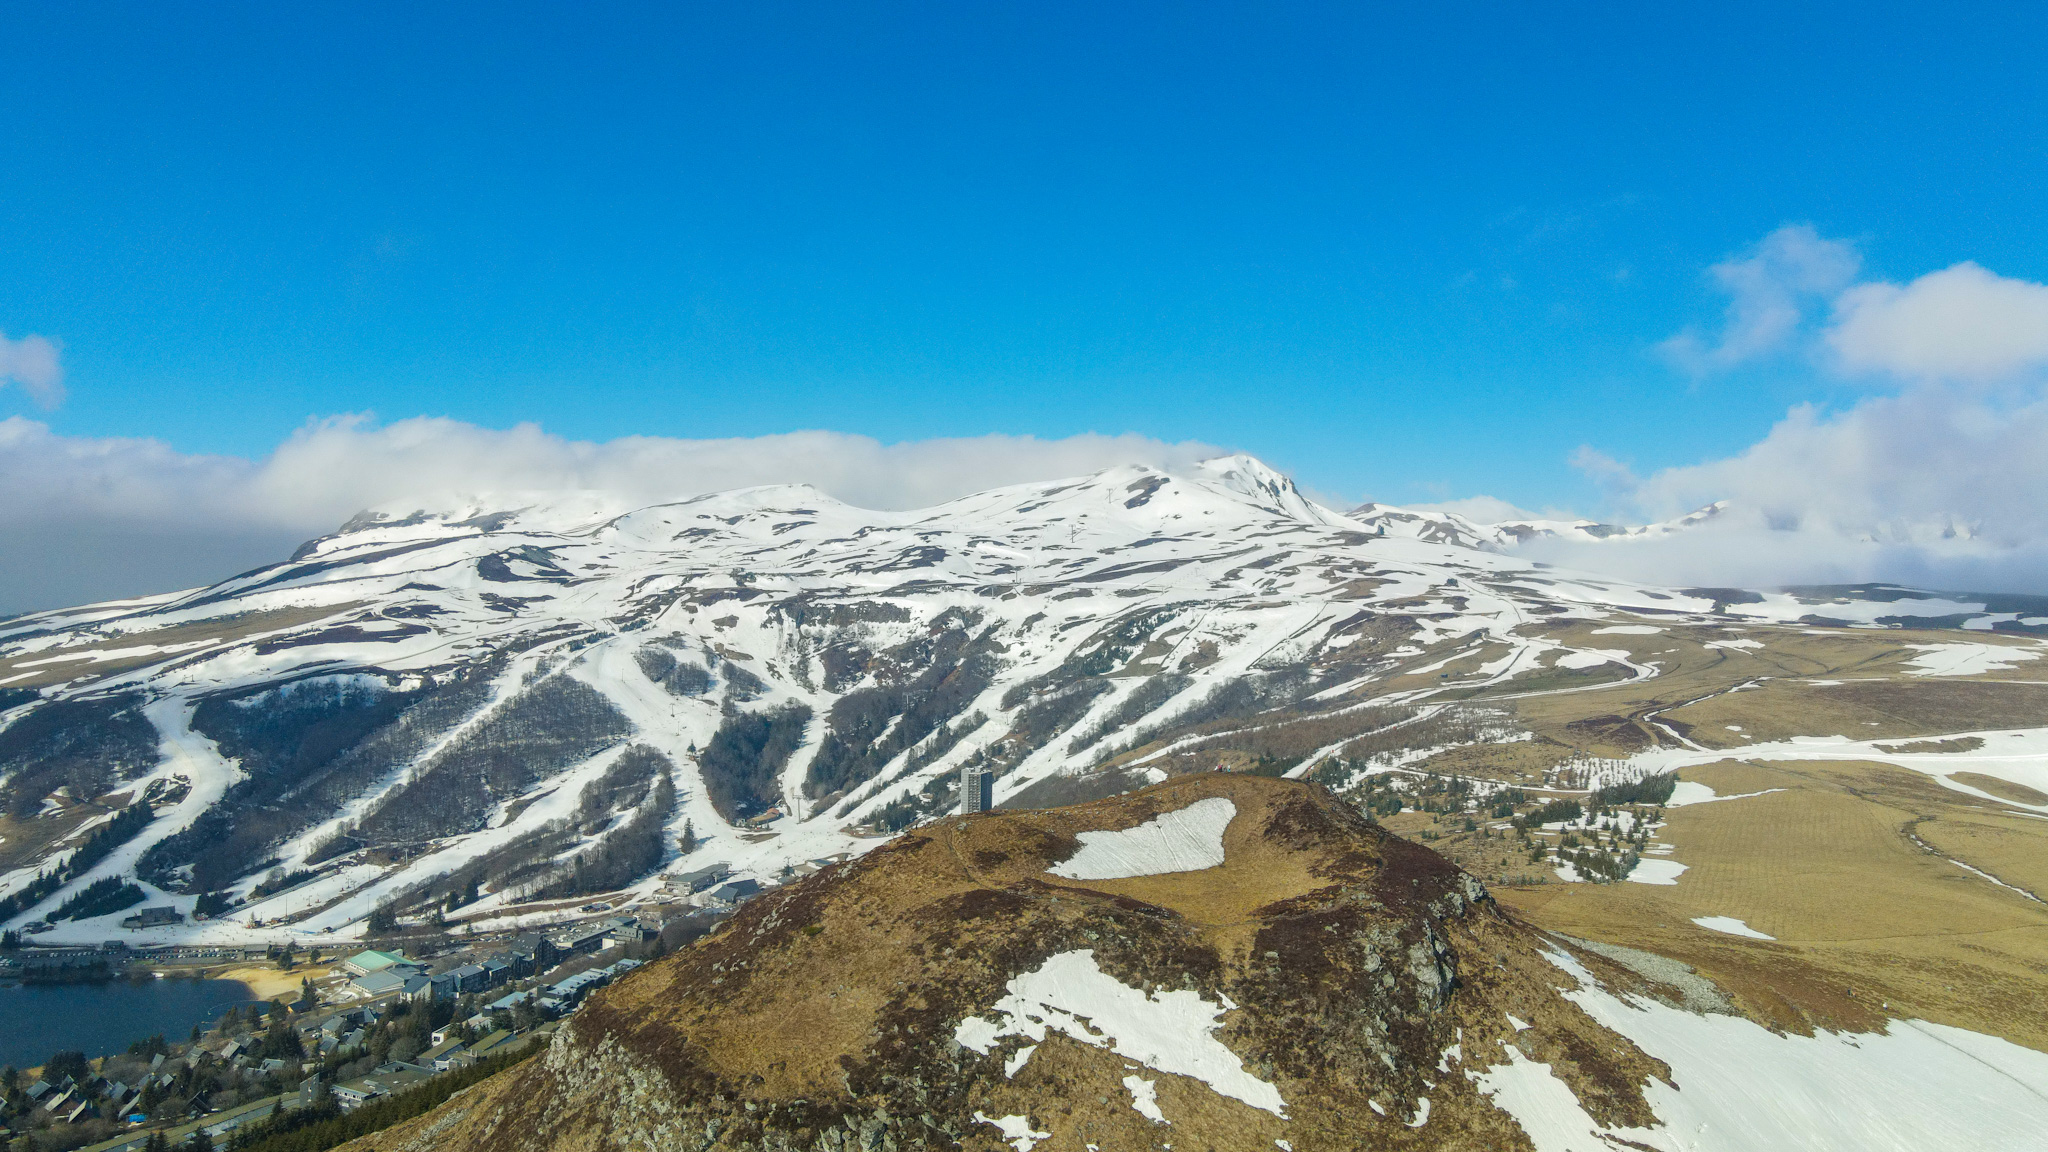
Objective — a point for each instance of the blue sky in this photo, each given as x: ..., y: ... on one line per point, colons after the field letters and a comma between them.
x: 1413, y: 255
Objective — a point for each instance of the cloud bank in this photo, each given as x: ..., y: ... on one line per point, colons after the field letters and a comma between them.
x: 1939, y: 481
x: 92, y: 519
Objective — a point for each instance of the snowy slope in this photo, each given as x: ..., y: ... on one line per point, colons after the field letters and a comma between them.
x: 483, y: 687
x: 1451, y: 528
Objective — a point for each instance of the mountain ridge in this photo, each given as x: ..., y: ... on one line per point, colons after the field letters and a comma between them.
x: 421, y: 698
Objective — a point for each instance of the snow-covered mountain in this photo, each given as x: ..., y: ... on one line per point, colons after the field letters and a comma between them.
x: 1439, y: 527
x: 525, y: 697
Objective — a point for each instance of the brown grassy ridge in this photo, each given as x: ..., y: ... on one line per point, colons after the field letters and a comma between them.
x: 824, y: 1012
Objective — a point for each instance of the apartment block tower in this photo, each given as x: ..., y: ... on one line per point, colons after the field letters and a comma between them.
x: 977, y: 789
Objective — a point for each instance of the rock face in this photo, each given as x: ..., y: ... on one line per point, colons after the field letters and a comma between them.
x: 1326, y: 986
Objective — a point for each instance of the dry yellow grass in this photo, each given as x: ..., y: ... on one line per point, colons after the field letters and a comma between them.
x: 2012, y: 848
x: 1869, y: 924
x: 1864, y: 710
x: 1874, y: 700
x: 2005, y: 789
x: 1523, y: 762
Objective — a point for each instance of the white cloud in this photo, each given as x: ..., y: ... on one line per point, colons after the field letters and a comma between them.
x: 1610, y: 474
x: 1478, y: 509
x: 32, y: 362
x: 1936, y: 485
x: 89, y: 519
x: 1769, y: 293
x: 1962, y: 322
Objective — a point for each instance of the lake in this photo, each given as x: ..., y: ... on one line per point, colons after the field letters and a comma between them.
x: 98, y: 1019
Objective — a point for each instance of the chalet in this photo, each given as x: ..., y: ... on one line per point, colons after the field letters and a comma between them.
x: 441, y: 1057
x: 61, y: 1102
x: 356, y: 1093
x: 488, y: 1045
x: 734, y: 892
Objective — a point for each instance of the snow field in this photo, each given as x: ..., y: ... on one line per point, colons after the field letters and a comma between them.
x: 2019, y: 756
x: 1170, y: 1031
x: 1649, y: 871
x: 1967, y: 659
x: 1145, y: 1098
x: 1015, y: 1129
x: 1188, y: 839
x: 1731, y: 926
x: 1738, y: 1087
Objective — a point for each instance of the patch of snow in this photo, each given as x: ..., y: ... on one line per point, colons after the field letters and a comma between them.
x: 1585, y: 658
x: 1995, y: 880
x: 1655, y: 872
x: 1189, y: 839
x: 1693, y: 792
x: 1015, y: 1129
x: 1731, y: 926
x: 1017, y: 1060
x: 1145, y: 1098
x: 1520, y: 1025
x: 1421, y: 1112
x: 1454, y: 1052
x: 1737, y: 1086
x: 1736, y: 644
x: 1170, y: 1031
x: 1628, y: 630
x: 1966, y: 659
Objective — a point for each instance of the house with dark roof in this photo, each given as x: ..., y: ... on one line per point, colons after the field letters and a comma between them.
x: 734, y: 892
